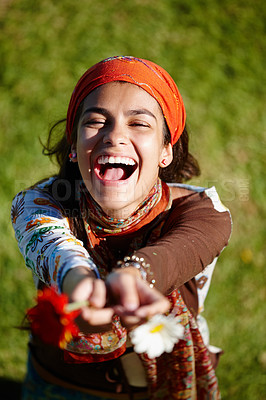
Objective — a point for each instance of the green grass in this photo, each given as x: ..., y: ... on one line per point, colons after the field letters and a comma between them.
x: 215, y: 50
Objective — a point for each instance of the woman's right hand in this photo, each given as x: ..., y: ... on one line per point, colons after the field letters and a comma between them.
x: 81, y: 284
x: 132, y: 298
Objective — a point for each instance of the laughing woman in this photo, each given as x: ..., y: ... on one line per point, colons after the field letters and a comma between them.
x: 109, y: 229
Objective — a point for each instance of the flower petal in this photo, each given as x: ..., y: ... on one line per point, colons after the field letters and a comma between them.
x: 49, y: 320
x: 158, y: 335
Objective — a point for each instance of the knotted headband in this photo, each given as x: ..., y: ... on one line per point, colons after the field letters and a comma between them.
x: 146, y: 74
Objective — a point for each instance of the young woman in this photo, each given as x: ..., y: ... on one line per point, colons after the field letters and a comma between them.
x: 109, y: 229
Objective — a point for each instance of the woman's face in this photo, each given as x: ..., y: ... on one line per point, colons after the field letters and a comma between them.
x: 120, y: 146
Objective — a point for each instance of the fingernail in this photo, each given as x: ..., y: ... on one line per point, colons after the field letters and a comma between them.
x: 141, y: 313
x: 131, y: 306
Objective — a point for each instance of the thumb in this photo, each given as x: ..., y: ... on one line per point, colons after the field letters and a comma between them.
x: 124, y: 289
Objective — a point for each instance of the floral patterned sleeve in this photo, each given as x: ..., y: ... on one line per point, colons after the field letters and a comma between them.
x: 44, y: 237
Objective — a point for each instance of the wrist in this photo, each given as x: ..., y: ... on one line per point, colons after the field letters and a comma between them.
x: 77, y: 264
x: 74, y: 276
x: 138, y: 264
x: 130, y: 269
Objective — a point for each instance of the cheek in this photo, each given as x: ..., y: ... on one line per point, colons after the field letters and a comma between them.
x: 83, y: 153
x: 85, y: 142
x: 151, y: 150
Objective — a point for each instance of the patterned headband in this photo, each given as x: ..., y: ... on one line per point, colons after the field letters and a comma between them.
x: 145, y: 74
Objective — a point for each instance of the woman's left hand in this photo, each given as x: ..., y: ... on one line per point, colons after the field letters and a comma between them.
x: 132, y: 298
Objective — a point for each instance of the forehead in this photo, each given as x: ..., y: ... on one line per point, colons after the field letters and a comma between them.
x: 121, y: 94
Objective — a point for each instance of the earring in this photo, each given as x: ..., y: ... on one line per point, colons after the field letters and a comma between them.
x: 72, y: 156
x: 164, y: 161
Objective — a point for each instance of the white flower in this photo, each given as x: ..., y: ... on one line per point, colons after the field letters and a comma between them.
x: 157, y: 336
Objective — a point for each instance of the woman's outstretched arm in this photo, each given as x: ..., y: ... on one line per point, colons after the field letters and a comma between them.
x: 44, y: 238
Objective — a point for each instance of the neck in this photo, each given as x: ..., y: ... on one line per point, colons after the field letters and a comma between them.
x: 127, y: 219
x: 123, y: 213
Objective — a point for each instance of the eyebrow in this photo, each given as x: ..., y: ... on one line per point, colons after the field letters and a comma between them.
x: 98, y: 110
x: 105, y: 112
x: 142, y: 111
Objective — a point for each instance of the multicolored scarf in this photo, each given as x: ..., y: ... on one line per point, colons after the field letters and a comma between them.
x: 103, y: 225
x: 187, y: 372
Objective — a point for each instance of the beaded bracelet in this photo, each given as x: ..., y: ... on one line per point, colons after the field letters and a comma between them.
x: 139, y: 263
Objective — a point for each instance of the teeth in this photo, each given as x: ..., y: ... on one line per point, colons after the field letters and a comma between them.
x: 115, y: 160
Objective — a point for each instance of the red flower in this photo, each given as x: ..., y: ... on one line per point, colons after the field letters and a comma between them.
x: 50, y: 320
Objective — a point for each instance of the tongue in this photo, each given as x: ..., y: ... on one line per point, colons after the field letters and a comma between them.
x: 114, y: 174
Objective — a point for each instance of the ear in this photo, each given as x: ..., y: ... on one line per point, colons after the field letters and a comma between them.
x: 166, y: 156
x: 73, y: 155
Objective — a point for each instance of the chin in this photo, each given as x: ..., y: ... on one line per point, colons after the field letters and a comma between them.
x: 118, y: 208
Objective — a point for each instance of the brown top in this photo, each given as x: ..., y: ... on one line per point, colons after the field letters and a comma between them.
x: 194, y: 233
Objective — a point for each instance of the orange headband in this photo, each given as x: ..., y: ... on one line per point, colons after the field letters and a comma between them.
x: 146, y: 74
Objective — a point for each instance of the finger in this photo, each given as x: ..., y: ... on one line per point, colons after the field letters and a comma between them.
x: 128, y: 318
x: 122, y: 311
x: 158, y: 307
x: 128, y: 295
x: 98, y: 296
x: 83, y: 290
x: 152, y: 301
x: 123, y: 287
x: 95, y: 316
x: 132, y: 321
x: 147, y: 294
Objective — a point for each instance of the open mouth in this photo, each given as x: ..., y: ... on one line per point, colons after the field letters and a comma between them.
x: 112, y: 168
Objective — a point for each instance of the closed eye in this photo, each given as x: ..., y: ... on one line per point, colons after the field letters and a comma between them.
x: 94, y: 123
x: 140, y: 124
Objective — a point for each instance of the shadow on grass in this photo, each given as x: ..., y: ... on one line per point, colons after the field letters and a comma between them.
x: 9, y: 389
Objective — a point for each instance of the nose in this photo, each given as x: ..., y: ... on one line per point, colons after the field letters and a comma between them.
x: 116, y: 135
